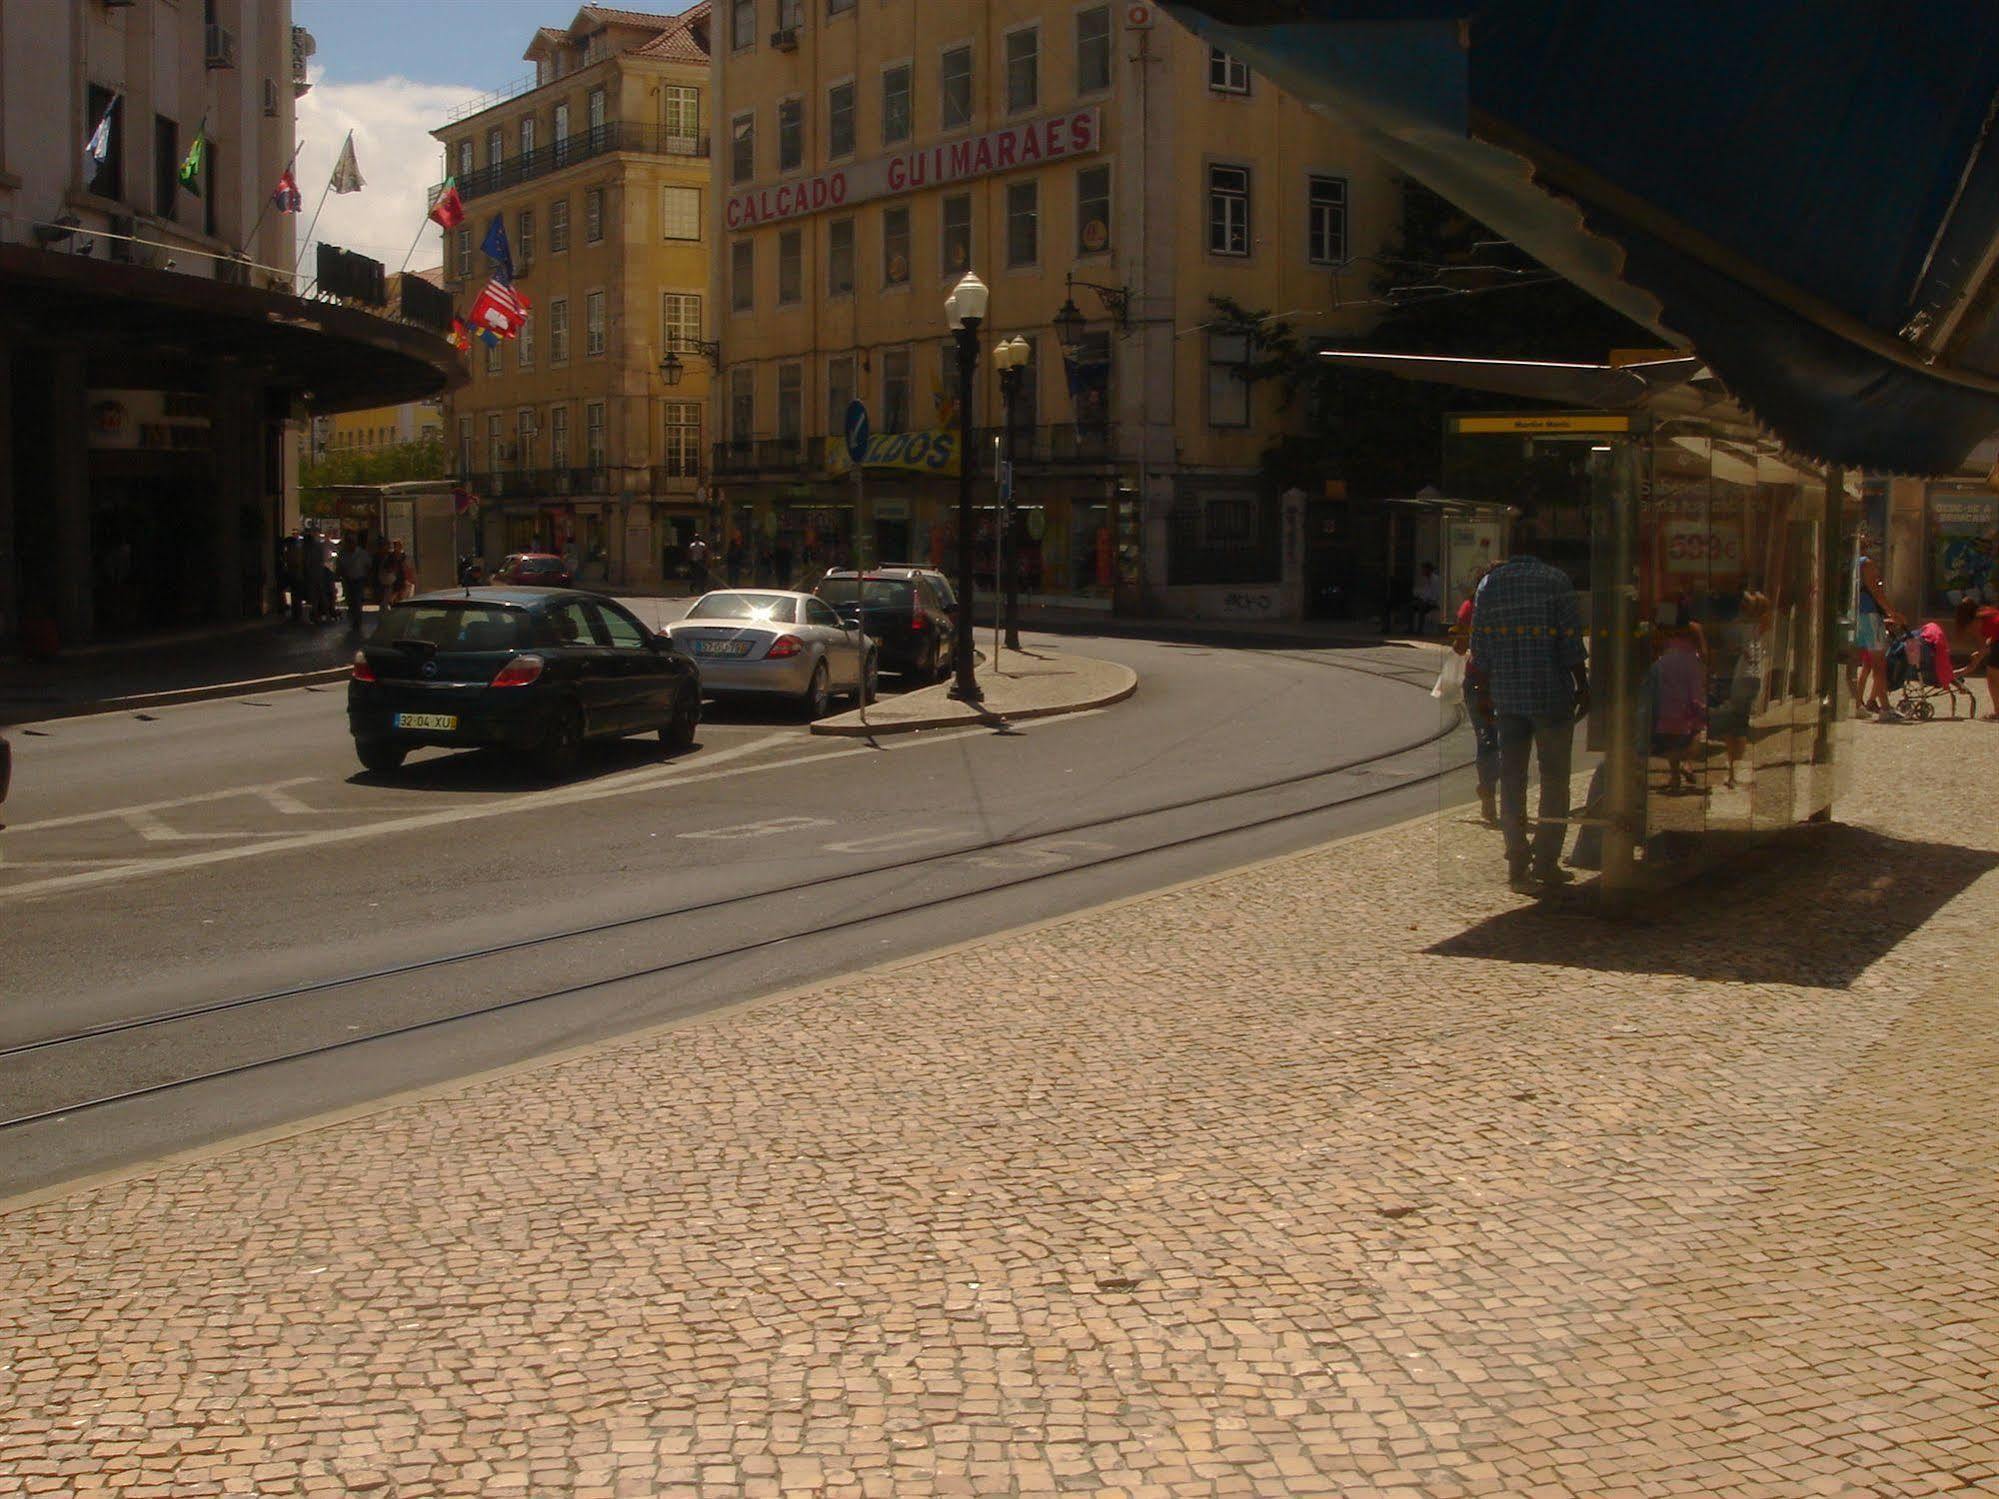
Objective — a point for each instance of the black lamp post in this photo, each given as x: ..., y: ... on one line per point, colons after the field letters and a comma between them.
x: 964, y: 310
x: 1011, y: 355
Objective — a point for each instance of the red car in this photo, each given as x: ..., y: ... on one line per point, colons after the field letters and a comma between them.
x: 534, y: 570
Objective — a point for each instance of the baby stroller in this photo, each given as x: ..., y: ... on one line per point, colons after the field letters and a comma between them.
x: 1920, y: 673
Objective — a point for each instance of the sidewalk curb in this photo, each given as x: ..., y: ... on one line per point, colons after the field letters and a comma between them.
x: 46, y: 713
x: 964, y: 718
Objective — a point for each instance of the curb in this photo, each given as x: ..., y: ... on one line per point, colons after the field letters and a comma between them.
x: 962, y: 719
x: 49, y: 712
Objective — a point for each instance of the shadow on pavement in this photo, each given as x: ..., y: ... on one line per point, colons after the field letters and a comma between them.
x: 1818, y: 910
x: 486, y: 771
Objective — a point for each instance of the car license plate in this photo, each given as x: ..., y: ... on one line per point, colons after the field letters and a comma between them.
x: 721, y: 647
x: 444, y: 722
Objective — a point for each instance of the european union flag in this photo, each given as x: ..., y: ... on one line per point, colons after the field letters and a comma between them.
x: 495, y: 246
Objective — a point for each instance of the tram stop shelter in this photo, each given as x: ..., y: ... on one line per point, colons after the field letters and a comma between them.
x: 423, y: 514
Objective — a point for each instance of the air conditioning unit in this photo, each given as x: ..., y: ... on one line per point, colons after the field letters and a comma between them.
x: 221, y: 47
x: 785, y: 40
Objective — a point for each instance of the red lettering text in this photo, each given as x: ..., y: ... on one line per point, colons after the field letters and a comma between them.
x: 1083, y: 131
x: 1007, y: 144
x: 961, y: 157
x: 982, y: 154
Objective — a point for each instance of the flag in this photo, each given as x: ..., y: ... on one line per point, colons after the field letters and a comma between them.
x: 98, y: 147
x: 489, y: 338
x: 447, y: 208
x: 346, y: 171
x: 285, y: 197
x: 500, y: 309
x: 190, y: 167
x: 463, y: 501
x: 495, y: 246
x: 460, y: 335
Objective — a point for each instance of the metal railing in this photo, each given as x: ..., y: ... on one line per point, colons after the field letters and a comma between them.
x: 1051, y: 444
x: 537, y: 483
x: 761, y: 455
x: 673, y: 478
x: 499, y: 95
x: 601, y: 140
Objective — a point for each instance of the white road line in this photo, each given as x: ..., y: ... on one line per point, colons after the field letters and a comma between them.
x: 764, y: 829
x: 563, y: 796
x: 154, y: 829
x: 285, y: 802
x: 78, y: 818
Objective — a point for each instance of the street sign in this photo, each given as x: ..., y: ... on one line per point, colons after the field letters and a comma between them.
x: 857, y: 430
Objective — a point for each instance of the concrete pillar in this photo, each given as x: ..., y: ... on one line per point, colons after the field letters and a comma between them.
x: 69, y: 495
x: 1902, y: 569
x: 10, y: 586
x: 233, y: 435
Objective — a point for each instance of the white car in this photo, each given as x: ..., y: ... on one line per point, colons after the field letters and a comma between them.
x: 759, y: 642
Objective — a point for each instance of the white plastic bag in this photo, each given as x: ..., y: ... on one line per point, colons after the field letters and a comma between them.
x: 1451, y: 680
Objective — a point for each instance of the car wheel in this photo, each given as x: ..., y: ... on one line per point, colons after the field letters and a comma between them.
x: 382, y: 756
x: 678, y: 732
x: 870, y: 680
x: 818, y: 696
x: 562, y: 746
x: 929, y: 670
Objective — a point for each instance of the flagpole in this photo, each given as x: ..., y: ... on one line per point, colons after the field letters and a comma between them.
x: 306, y: 244
x: 250, y: 238
x: 413, y: 244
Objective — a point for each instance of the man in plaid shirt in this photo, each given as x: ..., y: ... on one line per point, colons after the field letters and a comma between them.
x: 1532, y: 678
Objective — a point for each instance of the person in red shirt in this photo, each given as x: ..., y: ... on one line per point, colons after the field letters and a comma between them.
x: 1978, y: 625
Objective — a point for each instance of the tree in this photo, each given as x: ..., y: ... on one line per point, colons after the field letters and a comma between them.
x: 423, y: 459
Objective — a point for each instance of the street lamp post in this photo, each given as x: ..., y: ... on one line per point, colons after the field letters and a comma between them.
x: 1011, y: 356
x: 964, y: 310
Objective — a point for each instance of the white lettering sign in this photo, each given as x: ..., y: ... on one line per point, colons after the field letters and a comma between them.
x: 1029, y: 144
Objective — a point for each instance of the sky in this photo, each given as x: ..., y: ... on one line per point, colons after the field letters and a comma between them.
x: 391, y: 70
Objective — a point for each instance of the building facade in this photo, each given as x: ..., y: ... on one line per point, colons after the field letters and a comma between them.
x: 869, y: 154
x: 153, y: 343
x: 597, y: 165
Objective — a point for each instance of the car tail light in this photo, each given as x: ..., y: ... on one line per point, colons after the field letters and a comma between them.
x: 363, y: 672
x: 919, y: 620
x: 784, y: 645
x: 519, y: 672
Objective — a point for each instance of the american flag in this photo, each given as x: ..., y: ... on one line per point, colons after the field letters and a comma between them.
x: 501, y: 308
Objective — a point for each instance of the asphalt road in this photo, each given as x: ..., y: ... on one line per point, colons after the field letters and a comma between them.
x: 224, y: 850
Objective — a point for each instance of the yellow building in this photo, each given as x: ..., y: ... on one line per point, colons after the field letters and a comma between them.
x: 597, y: 165
x: 869, y: 154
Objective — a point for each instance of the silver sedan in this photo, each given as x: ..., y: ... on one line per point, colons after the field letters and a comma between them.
x: 764, y: 643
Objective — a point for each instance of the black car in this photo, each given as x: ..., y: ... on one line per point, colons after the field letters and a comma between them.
x: 901, y: 611
x: 534, y: 670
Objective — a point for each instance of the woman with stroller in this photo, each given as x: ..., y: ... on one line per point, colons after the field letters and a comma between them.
x: 1978, y: 626
x: 1872, y: 617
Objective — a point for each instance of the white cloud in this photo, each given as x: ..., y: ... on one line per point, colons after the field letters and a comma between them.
x: 391, y: 119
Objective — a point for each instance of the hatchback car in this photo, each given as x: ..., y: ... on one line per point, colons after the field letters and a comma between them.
x: 902, y: 611
x: 533, y: 570
x: 536, y: 671
x: 766, y: 643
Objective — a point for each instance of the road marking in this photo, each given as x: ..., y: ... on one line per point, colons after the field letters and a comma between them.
x: 285, y: 802
x: 77, y: 818
x: 1042, y: 856
x: 764, y: 829
x: 154, y: 829
x: 889, y: 843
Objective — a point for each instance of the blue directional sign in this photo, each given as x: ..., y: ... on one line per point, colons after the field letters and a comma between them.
x: 857, y: 430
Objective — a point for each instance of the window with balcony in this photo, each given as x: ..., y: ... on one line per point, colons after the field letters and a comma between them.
x: 1093, y: 49
x: 1093, y: 210
x: 464, y: 253
x: 558, y: 436
x: 593, y: 215
x: 790, y: 402
x: 1023, y: 224
x: 954, y: 89
x: 840, y: 258
x: 840, y: 120
x: 956, y: 249
x: 496, y: 146
x: 680, y: 213
x: 839, y: 392
x: 898, y: 115
x: 790, y: 134
x: 558, y: 331
x: 895, y: 246
x: 743, y: 147
x: 524, y: 346
x: 680, y: 439
x: 593, y: 435
x: 680, y: 117
x: 561, y: 133
x: 558, y: 226
x: 895, y: 390
x: 742, y: 403
x: 679, y: 320
x: 594, y: 104
x: 1228, y: 210
x: 1326, y: 220
x: 593, y: 325
x: 527, y: 135
x: 496, y: 440
x: 790, y: 267
x: 465, y: 157
x: 1023, y: 69
x: 524, y: 239
x: 743, y: 276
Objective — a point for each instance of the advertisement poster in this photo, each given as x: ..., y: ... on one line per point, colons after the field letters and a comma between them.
x: 1960, y: 548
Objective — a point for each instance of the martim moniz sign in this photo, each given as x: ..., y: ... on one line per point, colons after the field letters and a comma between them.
x: 1028, y: 144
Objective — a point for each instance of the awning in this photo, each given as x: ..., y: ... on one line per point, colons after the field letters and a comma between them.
x: 1610, y: 387
x: 1805, y: 194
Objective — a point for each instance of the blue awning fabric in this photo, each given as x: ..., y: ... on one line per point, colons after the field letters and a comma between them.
x: 1806, y: 194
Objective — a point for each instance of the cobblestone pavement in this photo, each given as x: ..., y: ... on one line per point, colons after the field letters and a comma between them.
x: 1317, y: 1178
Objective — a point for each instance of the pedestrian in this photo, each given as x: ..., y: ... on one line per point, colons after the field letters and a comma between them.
x: 1532, y: 677
x: 1872, y: 616
x: 697, y: 565
x: 402, y: 574
x: 1679, y: 702
x: 355, y: 567
x: 1979, y: 623
x: 291, y: 562
x: 312, y: 560
x: 1428, y: 599
x: 1485, y: 734
x: 733, y: 560
x: 384, y: 568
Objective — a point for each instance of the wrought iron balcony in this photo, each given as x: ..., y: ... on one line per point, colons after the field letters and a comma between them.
x: 602, y: 140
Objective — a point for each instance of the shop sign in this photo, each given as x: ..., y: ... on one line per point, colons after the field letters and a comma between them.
x: 1030, y: 143
x: 934, y: 453
x: 153, y: 420
x: 1592, y: 421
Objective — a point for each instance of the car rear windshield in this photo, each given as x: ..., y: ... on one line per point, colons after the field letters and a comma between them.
x: 872, y: 593
x: 774, y: 607
x: 541, y: 565
x: 452, y: 626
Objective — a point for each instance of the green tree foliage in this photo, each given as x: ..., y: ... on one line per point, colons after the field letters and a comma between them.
x: 423, y: 459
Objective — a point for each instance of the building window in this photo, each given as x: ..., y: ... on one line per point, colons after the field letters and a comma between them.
x: 840, y: 257
x: 1026, y: 402
x: 593, y: 435
x: 957, y: 236
x: 524, y: 438
x: 465, y: 157
x: 464, y: 446
x: 954, y: 89
x: 897, y: 112
x: 464, y: 253
x: 1023, y: 223
x: 680, y: 440
x: 838, y: 7
x: 596, y: 114
x: 790, y: 15
x: 1326, y: 220
x: 839, y: 392
x: 558, y: 331
x: 558, y: 436
x: 1023, y: 69
x: 593, y: 215
x: 743, y: 147
x: 680, y: 213
x: 527, y: 135
x: 524, y: 239
x: 895, y: 390
x: 743, y: 276
x: 495, y: 440
x: 1228, y: 392
x: 742, y: 24
x: 558, y: 226
x: 790, y: 267
x: 790, y: 402
x: 1089, y: 370
x: 1093, y: 49
x: 166, y: 165
x: 496, y: 146
x: 680, y: 116
x: 895, y: 246
x: 840, y: 120
x: 1093, y: 210
x: 1227, y: 75
x: 560, y: 122
x: 1228, y: 210
x: 679, y: 320
x: 790, y: 134
x: 742, y: 403
x: 524, y: 346
x: 593, y: 324
x: 108, y: 180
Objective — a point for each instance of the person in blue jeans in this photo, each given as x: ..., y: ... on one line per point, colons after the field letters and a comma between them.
x: 1530, y: 671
